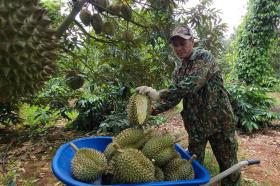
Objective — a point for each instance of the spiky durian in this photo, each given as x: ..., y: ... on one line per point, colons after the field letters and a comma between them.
x: 127, y: 36
x: 74, y: 79
x: 27, y: 48
x: 88, y: 164
x: 160, y: 149
x: 85, y: 16
x: 159, y: 174
x: 108, y: 28
x: 114, y: 9
x: 138, y: 110
x: 126, y: 11
x: 131, y: 166
x: 160, y: 4
x: 97, y: 23
x: 128, y: 138
x: 100, y: 5
x: 179, y: 169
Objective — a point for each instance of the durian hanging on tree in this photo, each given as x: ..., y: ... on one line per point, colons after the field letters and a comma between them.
x: 27, y: 48
x: 127, y: 35
x: 100, y: 5
x: 108, y: 28
x: 74, y: 79
x: 85, y: 16
x: 97, y: 23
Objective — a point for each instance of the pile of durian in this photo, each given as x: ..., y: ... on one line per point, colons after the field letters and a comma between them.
x: 108, y: 28
x: 134, y: 156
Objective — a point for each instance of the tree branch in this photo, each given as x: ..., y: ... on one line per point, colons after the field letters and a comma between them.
x: 88, y: 34
x: 119, y: 15
x: 69, y: 19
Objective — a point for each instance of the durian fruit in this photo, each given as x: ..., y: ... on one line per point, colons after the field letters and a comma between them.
x: 127, y: 36
x: 160, y: 4
x: 108, y: 28
x: 100, y: 5
x: 159, y: 174
x: 108, y: 177
x: 74, y: 79
x: 28, y: 48
x: 110, y: 150
x: 87, y: 164
x: 138, y: 109
x: 85, y: 16
x: 128, y: 138
x: 114, y: 9
x: 126, y: 11
x: 160, y: 149
x: 131, y: 166
x: 179, y: 169
x: 97, y: 23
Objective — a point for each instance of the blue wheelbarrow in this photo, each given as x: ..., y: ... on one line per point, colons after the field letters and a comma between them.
x: 61, y: 165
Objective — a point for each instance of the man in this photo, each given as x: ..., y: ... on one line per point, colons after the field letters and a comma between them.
x: 207, y: 112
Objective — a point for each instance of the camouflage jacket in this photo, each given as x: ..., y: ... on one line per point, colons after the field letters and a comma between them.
x: 198, y: 81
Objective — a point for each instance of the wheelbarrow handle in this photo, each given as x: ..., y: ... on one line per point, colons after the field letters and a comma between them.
x: 231, y: 170
x: 252, y: 162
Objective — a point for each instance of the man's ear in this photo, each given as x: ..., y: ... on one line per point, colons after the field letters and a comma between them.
x: 192, y: 39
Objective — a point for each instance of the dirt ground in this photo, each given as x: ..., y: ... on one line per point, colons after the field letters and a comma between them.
x: 31, y: 159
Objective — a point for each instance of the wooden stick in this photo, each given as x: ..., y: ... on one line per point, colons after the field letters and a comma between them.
x: 193, y: 158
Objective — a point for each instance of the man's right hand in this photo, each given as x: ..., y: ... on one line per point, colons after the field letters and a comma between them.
x: 149, y: 91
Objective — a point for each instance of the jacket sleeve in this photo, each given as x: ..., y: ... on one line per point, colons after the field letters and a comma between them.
x: 201, y: 72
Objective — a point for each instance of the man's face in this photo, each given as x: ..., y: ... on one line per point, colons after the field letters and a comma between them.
x: 182, y: 47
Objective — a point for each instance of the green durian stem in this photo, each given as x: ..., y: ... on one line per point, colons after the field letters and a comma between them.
x: 117, y: 147
x: 192, y: 158
x: 179, y: 139
x: 74, y: 146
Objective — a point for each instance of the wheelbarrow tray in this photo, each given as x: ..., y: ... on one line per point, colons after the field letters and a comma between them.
x: 61, y: 164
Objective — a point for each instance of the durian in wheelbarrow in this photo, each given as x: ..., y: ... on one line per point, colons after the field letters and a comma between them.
x: 138, y: 110
x: 179, y: 169
x: 28, y: 48
x: 160, y: 149
x: 159, y: 174
x: 88, y: 164
x: 128, y: 138
x: 132, y: 166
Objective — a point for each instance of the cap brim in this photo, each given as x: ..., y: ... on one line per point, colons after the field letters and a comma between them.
x: 180, y: 35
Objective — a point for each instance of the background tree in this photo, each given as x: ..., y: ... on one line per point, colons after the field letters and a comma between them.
x: 255, y: 36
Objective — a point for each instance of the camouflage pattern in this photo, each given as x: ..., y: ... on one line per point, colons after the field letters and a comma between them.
x: 207, y: 112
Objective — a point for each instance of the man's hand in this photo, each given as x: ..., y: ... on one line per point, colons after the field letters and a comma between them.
x: 149, y: 91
